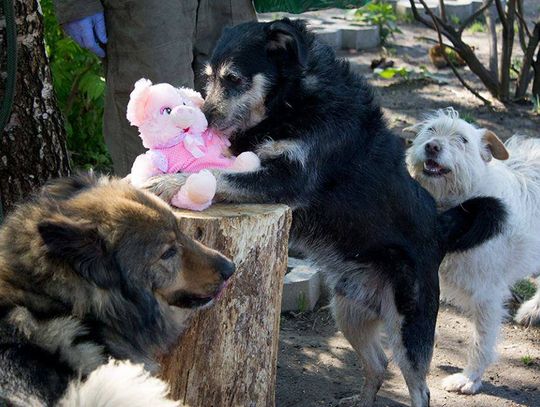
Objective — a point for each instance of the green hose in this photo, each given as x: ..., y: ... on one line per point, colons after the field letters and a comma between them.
x: 11, y: 40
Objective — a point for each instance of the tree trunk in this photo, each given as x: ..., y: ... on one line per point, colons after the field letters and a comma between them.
x: 525, y: 77
x: 507, y: 47
x: 228, y: 355
x: 491, y: 17
x: 33, y: 143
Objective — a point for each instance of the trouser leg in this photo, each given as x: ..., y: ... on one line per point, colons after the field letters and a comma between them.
x: 212, y: 17
x: 147, y: 39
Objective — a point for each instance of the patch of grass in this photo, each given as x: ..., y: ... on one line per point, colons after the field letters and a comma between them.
x: 527, y: 360
x: 524, y: 289
x: 478, y: 27
x: 468, y: 117
x: 302, y: 302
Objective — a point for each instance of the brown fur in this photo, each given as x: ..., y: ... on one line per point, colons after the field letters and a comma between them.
x: 101, y: 250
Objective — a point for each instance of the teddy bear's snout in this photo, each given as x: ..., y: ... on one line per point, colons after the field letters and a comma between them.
x: 187, y: 116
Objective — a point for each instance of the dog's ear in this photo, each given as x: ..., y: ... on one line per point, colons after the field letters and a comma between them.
x: 493, y: 147
x: 67, y: 187
x: 284, y: 38
x: 412, y: 129
x: 80, y: 245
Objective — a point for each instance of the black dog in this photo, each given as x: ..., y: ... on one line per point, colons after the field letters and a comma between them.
x: 327, y: 152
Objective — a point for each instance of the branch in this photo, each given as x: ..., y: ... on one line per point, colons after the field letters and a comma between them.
x: 522, y: 26
x: 436, y: 23
x: 524, y: 78
x: 506, y: 54
x: 442, y: 9
x: 519, y: 13
x: 502, y: 15
x: 474, y: 16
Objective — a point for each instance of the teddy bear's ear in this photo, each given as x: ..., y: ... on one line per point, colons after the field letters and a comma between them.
x: 192, y: 95
x: 137, y: 101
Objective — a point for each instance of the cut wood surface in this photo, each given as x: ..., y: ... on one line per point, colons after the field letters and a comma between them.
x: 228, y: 355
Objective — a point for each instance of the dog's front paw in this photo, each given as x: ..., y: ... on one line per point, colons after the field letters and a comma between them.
x: 460, y: 383
x: 166, y: 186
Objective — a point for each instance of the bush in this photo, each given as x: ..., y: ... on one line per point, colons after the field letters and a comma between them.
x: 80, y: 88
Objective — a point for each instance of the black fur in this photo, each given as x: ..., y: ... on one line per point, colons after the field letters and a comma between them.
x: 352, y: 195
x: 472, y: 223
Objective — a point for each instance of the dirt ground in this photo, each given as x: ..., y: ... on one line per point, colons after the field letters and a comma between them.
x: 316, y: 365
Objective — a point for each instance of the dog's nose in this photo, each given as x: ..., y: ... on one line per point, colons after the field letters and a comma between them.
x: 225, y: 267
x: 432, y: 148
x: 209, y: 112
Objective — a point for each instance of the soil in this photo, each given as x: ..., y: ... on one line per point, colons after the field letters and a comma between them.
x: 316, y: 365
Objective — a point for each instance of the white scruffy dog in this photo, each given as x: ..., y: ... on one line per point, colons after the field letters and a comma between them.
x: 456, y: 161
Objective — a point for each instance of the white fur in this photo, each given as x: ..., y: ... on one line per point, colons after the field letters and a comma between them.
x: 479, y: 280
x: 118, y: 384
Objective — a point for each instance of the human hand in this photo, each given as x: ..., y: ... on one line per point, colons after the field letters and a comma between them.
x: 89, y: 33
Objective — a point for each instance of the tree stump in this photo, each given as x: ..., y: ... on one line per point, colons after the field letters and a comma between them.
x: 228, y: 355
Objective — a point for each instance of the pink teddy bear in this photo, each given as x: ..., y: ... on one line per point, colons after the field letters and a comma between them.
x: 174, y: 129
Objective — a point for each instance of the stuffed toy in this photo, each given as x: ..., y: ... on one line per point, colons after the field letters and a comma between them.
x: 174, y: 130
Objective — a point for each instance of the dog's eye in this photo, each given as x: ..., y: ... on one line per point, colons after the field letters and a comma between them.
x: 463, y: 140
x: 170, y: 252
x: 167, y: 110
x: 233, y: 78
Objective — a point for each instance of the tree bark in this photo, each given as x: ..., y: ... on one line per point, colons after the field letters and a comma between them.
x: 491, y: 17
x: 507, y: 47
x: 228, y: 355
x: 33, y: 143
x: 524, y: 77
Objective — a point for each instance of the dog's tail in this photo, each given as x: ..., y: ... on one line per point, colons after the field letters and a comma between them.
x: 118, y: 384
x: 471, y: 223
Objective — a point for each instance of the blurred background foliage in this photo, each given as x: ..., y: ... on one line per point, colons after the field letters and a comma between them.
x: 80, y: 88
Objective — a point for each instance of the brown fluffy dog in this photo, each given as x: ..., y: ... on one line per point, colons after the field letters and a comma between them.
x: 91, y: 269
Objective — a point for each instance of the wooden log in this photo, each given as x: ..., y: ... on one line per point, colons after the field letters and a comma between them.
x: 228, y: 355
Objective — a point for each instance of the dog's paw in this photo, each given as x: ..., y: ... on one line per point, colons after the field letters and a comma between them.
x: 355, y: 401
x: 166, y: 185
x: 529, y: 313
x: 461, y: 384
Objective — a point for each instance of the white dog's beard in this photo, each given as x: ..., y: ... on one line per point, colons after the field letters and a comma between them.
x: 449, y: 189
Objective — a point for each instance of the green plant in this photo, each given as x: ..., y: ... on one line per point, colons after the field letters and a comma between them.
x: 389, y: 73
x: 527, y: 360
x: 478, y: 27
x: 536, y: 104
x: 455, y: 20
x: 524, y: 289
x: 468, y: 117
x: 302, y: 302
x: 381, y: 14
x: 80, y: 88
